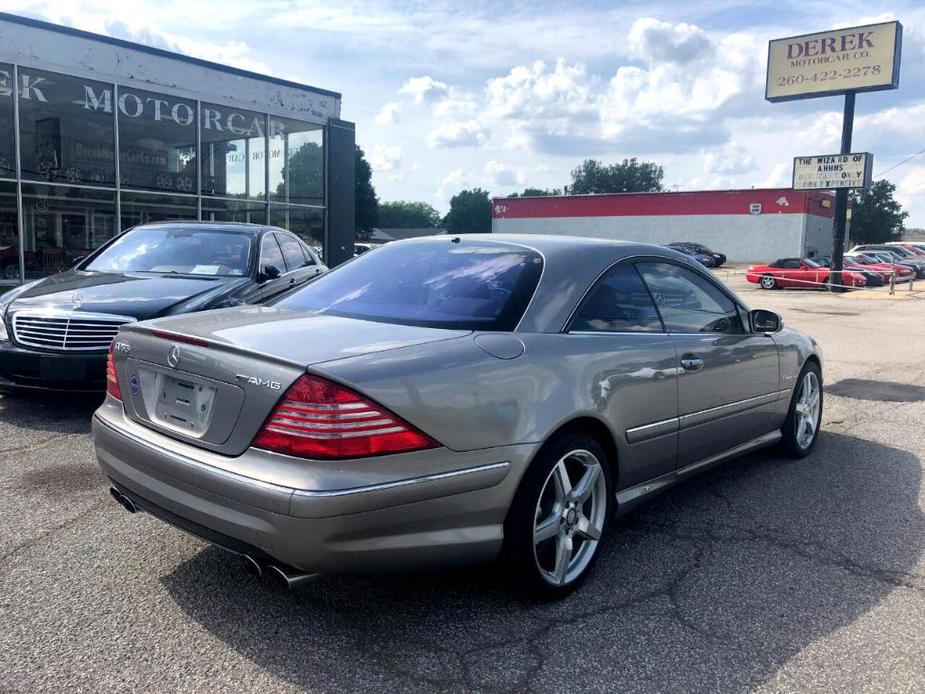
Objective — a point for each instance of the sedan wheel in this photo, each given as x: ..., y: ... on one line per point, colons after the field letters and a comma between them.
x: 768, y: 282
x: 559, y: 516
x: 801, y: 428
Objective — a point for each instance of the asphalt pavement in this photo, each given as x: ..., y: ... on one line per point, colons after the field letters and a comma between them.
x: 765, y: 574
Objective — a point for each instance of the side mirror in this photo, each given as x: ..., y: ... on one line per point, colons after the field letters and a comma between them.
x: 765, y: 321
x: 269, y: 272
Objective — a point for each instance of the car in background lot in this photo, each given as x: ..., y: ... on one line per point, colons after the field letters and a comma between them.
x: 798, y: 273
x: 901, y: 254
x: 702, y: 258
x: 718, y: 258
x: 448, y: 401
x: 55, y: 332
x: 869, y: 263
x: 361, y: 248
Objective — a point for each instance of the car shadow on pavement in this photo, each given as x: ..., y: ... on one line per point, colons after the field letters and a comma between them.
x: 61, y: 413
x: 715, y: 585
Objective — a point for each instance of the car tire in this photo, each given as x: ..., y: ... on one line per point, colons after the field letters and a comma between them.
x: 553, y: 534
x: 805, y: 410
x: 767, y: 282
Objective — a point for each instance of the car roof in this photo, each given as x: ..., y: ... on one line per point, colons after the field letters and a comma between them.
x: 216, y: 226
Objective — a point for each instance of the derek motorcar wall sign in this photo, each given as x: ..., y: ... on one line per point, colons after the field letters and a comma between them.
x: 832, y: 171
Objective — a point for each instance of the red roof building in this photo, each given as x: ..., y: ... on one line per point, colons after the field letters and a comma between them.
x: 745, y: 225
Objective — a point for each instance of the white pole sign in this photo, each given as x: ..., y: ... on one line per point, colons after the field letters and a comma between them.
x: 832, y: 171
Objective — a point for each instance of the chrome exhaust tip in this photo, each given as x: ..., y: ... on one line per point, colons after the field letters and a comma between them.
x: 286, y: 578
x: 123, y: 500
x: 252, y: 566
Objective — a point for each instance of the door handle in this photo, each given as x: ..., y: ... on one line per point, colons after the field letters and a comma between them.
x: 691, y: 362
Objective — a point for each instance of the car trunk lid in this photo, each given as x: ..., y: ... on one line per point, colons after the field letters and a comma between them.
x: 212, y: 379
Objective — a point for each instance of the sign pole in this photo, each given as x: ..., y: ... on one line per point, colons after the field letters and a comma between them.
x: 841, y: 197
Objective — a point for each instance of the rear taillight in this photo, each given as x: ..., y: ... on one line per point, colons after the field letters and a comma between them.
x: 112, y: 381
x: 317, y: 418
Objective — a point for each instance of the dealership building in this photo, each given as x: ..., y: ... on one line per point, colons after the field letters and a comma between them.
x: 98, y: 135
x: 757, y: 224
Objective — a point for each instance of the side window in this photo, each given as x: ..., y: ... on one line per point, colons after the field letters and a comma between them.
x: 292, y: 251
x: 619, y: 303
x: 270, y: 254
x: 309, y: 258
x: 690, y: 303
x: 792, y: 264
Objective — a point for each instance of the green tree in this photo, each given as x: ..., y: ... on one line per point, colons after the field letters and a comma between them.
x: 406, y: 214
x: 876, y: 216
x: 304, y: 175
x: 537, y: 192
x: 629, y: 176
x: 367, y: 204
x: 470, y: 212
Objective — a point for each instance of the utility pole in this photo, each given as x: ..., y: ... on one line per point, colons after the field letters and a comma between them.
x: 841, y: 198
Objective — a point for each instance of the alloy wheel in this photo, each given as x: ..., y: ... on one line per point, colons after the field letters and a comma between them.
x: 807, y: 410
x: 569, y: 518
x: 767, y: 282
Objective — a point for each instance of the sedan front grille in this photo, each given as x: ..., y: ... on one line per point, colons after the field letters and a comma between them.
x: 66, y: 330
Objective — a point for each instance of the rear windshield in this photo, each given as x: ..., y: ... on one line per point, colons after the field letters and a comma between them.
x: 468, y: 284
x: 177, y: 250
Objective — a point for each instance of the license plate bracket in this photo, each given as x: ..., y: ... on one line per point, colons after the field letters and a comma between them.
x: 183, y: 404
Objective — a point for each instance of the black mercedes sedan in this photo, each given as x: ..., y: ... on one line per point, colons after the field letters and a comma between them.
x: 55, y: 332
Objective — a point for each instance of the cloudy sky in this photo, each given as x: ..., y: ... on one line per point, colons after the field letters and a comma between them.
x: 505, y: 95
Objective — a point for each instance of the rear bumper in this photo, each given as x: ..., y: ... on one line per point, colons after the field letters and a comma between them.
x: 435, y: 519
x: 33, y: 370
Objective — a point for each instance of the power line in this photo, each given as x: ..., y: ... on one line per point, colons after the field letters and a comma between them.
x: 907, y: 159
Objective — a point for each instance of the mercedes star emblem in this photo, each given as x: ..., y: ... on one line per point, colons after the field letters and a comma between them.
x: 173, y: 356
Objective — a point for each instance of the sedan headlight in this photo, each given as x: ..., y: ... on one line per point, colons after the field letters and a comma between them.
x: 4, y: 335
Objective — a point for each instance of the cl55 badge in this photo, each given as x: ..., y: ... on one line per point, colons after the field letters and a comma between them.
x: 261, y: 382
x: 124, y: 347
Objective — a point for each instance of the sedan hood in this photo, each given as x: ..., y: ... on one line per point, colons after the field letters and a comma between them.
x: 296, y: 337
x: 138, y: 296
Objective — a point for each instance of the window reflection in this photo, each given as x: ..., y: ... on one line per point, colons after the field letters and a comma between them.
x: 233, y: 161
x: 7, y: 154
x: 157, y: 141
x: 296, y: 161
x: 66, y: 129
x: 139, y: 208
x: 220, y: 210
x: 63, y: 224
x: 9, y: 234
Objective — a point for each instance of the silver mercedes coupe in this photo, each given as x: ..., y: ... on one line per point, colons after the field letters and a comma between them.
x: 450, y: 400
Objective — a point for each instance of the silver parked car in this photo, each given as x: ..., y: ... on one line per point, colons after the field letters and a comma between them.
x: 445, y: 401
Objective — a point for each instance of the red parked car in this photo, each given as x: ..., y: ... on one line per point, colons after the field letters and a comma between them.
x: 869, y: 264
x: 797, y: 273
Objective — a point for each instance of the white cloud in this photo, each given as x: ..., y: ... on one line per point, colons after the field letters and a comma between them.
x: 504, y: 175
x: 458, y: 134
x: 385, y: 158
x: 424, y: 88
x: 388, y: 114
x: 656, y: 41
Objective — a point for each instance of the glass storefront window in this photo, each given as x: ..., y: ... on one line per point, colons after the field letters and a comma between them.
x: 63, y: 224
x: 66, y: 129
x: 141, y: 208
x: 7, y: 153
x: 305, y: 222
x: 220, y: 210
x: 157, y: 141
x: 233, y: 161
x: 296, y: 161
x: 9, y: 235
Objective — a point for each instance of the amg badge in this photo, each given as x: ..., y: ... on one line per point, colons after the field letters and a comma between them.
x: 254, y: 381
